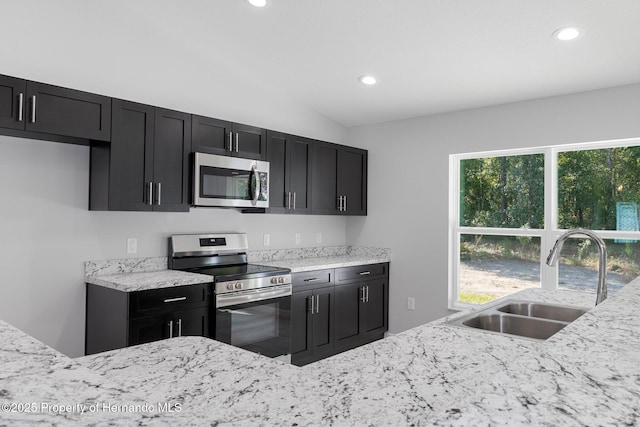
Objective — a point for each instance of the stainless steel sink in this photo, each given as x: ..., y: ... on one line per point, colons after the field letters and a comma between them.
x: 561, y: 313
x: 523, y: 319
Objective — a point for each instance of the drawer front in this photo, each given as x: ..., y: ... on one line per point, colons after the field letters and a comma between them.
x: 360, y: 272
x: 312, y: 279
x: 165, y: 300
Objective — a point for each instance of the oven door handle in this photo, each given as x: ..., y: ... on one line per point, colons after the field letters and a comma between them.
x: 236, y: 298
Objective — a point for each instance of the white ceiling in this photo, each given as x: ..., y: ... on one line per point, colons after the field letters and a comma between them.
x: 430, y: 56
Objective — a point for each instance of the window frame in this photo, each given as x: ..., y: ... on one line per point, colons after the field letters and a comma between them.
x: 547, y: 235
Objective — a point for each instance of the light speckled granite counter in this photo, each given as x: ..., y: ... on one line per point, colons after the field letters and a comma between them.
x: 131, y: 282
x: 434, y: 374
x: 139, y: 274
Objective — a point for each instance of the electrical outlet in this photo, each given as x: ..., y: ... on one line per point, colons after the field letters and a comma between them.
x: 297, y: 238
x: 411, y: 303
x: 132, y: 245
x: 266, y: 239
x: 318, y: 237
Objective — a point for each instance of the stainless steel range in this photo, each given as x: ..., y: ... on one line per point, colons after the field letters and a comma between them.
x: 252, y: 302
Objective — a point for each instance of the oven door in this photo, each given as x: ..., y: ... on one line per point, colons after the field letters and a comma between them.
x: 256, y: 320
x: 230, y: 181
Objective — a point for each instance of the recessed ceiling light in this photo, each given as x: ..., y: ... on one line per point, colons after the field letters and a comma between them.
x: 567, y: 33
x: 367, y: 80
x: 258, y: 3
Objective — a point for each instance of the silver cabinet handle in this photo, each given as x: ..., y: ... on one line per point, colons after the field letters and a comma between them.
x: 312, y: 303
x: 158, y: 201
x: 179, y: 327
x: 170, y: 328
x: 365, y: 273
x: 236, y: 142
x: 363, y: 298
x: 345, y: 203
x: 294, y: 200
x: 340, y: 203
x: 175, y: 299
x: 20, y: 106
x: 230, y: 141
x: 367, y: 299
x: 310, y: 280
x: 288, y: 199
x: 150, y: 193
x: 317, y: 304
x: 33, y: 109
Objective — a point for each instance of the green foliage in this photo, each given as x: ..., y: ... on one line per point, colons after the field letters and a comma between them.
x: 503, y: 192
x: 590, y: 182
x: 475, y: 297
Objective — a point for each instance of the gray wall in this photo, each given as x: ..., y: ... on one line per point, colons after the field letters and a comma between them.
x: 408, y: 179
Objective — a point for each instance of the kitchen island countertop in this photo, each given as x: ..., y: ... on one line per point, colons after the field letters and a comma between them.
x: 434, y: 374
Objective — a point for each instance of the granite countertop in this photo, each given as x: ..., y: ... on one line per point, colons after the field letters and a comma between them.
x: 434, y: 374
x: 321, y: 263
x: 132, y: 282
x: 138, y: 274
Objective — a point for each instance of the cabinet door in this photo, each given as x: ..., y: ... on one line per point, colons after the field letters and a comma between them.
x: 194, y: 322
x: 375, y: 313
x: 299, y: 180
x: 130, y: 166
x: 301, y: 325
x: 211, y: 136
x: 68, y: 112
x: 149, y: 329
x: 171, y: 148
x: 278, y: 173
x: 352, y: 180
x: 323, y: 321
x: 347, y: 312
x: 13, y: 99
x: 249, y: 142
x: 324, y: 170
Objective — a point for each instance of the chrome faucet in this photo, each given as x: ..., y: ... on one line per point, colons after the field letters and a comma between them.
x: 552, y: 259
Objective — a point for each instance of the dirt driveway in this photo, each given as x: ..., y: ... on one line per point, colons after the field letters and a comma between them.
x: 503, y: 277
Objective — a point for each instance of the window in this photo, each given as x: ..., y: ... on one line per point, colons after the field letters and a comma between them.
x: 508, y: 207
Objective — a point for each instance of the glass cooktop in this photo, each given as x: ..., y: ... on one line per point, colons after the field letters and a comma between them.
x: 241, y: 271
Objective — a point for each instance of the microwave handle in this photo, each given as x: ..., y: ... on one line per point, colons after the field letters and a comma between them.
x: 256, y: 183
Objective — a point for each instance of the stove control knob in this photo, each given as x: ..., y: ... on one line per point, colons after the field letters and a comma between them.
x: 274, y: 280
x: 238, y: 285
x: 230, y: 286
x: 280, y: 279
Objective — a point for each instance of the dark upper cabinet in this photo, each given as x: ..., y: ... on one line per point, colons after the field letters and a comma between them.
x: 289, y: 160
x: 146, y: 166
x: 339, y: 180
x: 215, y: 136
x: 46, y: 109
x: 352, y: 181
x: 324, y: 193
x: 171, y: 149
x: 12, y: 98
x: 211, y: 136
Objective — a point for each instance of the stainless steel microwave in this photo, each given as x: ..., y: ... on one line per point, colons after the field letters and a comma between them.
x: 230, y: 182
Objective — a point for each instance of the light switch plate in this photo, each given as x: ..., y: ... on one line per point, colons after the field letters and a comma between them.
x: 318, y: 237
x: 266, y: 239
x: 297, y: 238
x: 132, y: 245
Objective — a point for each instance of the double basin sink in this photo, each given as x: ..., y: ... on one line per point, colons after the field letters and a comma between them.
x: 524, y: 319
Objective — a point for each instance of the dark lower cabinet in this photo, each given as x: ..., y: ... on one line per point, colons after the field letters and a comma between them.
x: 117, y: 319
x: 337, y: 315
x: 194, y: 322
x: 146, y: 166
